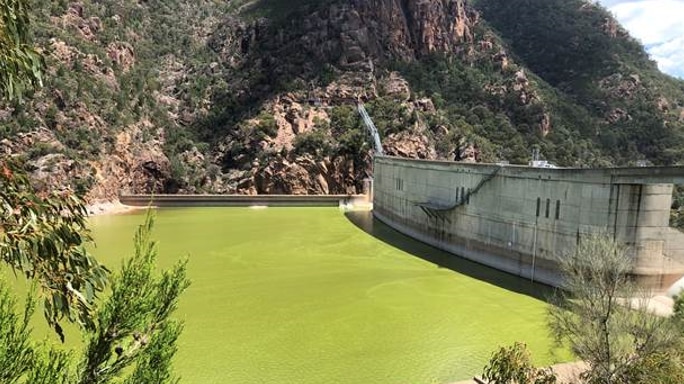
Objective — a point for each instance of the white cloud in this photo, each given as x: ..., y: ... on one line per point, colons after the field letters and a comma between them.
x: 670, y: 56
x: 659, y: 24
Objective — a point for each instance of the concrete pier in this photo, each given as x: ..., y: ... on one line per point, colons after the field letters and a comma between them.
x: 521, y: 219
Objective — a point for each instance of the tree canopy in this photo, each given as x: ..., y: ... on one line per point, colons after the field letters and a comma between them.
x: 20, y: 64
x: 621, y: 340
x: 42, y: 236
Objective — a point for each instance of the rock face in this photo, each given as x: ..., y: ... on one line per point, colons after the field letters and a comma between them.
x: 415, y: 27
x: 111, y: 161
x: 133, y: 165
x: 293, y: 140
x: 353, y: 37
x: 407, y: 144
x: 285, y: 169
x: 466, y: 152
x: 355, y: 33
x: 49, y: 168
x: 121, y: 55
x: 307, y: 176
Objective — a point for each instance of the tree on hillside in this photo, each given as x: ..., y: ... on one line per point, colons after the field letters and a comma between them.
x: 622, y: 342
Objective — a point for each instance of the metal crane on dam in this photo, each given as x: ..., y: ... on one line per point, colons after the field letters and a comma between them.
x: 370, y: 126
x: 314, y: 100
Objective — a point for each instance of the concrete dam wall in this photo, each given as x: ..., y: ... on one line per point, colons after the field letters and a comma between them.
x: 521, y: 219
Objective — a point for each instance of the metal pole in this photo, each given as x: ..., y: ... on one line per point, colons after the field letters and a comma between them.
x: 534, y: 250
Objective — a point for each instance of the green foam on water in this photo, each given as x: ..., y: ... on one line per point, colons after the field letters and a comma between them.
x: 302, y: 295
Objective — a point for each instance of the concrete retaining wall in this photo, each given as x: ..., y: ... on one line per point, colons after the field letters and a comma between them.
x: 244, y: 200
x: 522, y: 219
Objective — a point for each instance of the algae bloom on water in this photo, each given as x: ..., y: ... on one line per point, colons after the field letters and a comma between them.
x: 302, y: 295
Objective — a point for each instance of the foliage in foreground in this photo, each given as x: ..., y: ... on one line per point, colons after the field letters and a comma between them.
x: 20, y: 64
x: 513, y: 365
x: 622, y: 342
x: 42, y: 237
x: 41, y: 234
x: 133, y: 339
x: 130, y: 337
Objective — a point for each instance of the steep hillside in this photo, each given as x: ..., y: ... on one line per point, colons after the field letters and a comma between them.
x: 259, y: 96
x: 122, y: 78
x: 578, y: 48
x: 466, y: 88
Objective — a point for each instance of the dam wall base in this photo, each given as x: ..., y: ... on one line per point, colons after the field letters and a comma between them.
x: 520, y: 265
x: 522, y: 220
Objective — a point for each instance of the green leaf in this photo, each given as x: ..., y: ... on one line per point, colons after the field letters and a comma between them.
x: 90, y: 292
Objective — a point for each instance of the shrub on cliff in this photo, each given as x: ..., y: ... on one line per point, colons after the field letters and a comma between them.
x: 316, y: 143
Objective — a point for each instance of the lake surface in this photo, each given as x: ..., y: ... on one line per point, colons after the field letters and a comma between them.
x: 304, y: 295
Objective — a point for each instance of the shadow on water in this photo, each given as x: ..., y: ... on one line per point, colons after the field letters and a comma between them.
x: 381, y: 231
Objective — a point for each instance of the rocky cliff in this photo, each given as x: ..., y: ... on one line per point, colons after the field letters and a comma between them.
x: 321, y: 59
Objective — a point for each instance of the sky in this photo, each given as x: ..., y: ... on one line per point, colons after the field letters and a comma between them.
x: 659, y: 24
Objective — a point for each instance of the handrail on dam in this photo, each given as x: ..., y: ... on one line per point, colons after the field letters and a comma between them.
x: 437, y: 210
x: 617, y: 175
x: 481, y: 183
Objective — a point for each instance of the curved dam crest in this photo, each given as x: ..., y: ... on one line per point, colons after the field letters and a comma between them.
x: 520, y: 219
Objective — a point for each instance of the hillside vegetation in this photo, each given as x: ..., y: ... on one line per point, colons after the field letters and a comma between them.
x: 578, y: 48
x: 259, y: 96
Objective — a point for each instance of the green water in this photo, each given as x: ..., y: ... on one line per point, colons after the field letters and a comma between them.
x: 285, y: 295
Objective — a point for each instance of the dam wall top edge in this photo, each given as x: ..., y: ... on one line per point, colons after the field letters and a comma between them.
x: 233, y: 196
x: 243, y: 200
x: 616, y: 175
